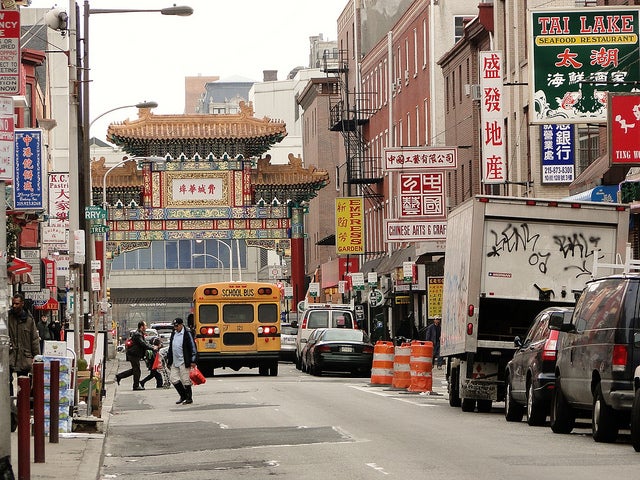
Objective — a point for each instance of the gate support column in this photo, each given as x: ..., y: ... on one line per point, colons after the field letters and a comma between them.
x: 297, y: 254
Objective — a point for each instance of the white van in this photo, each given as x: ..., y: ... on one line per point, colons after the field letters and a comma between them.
x: 324, y: 315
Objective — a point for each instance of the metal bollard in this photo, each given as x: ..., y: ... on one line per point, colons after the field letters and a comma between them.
x: 38, y: 412
x: 24, y: 435
x: 54, y: 402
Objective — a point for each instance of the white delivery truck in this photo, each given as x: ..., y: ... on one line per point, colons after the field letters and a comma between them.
x: 507, y: 259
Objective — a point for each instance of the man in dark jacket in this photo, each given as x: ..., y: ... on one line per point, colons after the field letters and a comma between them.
x: 136, y: 352
x: 24, y: 341
x: 181, y: 358
x: 433, y: 335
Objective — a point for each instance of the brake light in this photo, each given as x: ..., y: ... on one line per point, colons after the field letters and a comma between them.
x: 324, y: 349
x: 304, y: 323
x: 619, y: 360
x: 470, y: 310
x: 367, y: 350
x: 469, y: 328
x: 267, y: 330
x: 550, y: 349
x: 210, y: 331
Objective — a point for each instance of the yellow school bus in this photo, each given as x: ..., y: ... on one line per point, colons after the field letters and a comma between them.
x: 237, y: 324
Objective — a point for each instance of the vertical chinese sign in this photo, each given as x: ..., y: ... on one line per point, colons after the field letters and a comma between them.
x: 350, y: 225
x: 434, y: 295
x: 577, y: 57
x: 558, y: 153
x: 624, y: 128
x: 491, y: 118
x: 27, y: 186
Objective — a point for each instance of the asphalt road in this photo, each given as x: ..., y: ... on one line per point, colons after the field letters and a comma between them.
x: 296, y: 426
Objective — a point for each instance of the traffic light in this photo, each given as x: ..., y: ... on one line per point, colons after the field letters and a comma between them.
x: 108, y: 294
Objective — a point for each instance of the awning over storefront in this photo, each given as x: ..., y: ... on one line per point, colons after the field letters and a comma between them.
x: 328, y: 240
x: 602, y: 193
x: 19, y: 271
x: 390, y: 263
x: 51, y: 304
x: 599, y: 172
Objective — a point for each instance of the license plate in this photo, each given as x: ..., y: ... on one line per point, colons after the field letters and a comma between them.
x: 210, y: 345
x: 479, y: 391
x: 288, y: 340
x: 346, y: 349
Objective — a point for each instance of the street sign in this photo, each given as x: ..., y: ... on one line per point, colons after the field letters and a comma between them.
x: 7, y: 130
x: 10, y: 56
x: 94, y: 212
x: 376, y: 298
x: 99, y: 228
x: 357, y: 281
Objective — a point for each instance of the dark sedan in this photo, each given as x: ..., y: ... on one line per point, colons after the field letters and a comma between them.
x: 340, y: 349
x: 530, y: 374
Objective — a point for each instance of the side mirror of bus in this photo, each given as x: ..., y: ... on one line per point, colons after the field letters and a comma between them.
x: 294, y: 324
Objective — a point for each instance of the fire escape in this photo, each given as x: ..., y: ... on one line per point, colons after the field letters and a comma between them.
x: 348, y: 113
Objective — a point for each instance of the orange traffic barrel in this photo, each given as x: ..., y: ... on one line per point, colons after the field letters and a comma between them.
x: 382, y: 367
x: 401, y: 367
x: 421, y: 364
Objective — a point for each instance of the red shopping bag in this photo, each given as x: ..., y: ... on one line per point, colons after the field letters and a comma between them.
x: 196, y: 376
x: 157, y: 363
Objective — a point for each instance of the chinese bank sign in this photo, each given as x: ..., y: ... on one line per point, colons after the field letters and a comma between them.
x: 579, y: 55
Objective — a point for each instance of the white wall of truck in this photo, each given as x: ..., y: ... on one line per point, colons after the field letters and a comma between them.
x: 519, y: 250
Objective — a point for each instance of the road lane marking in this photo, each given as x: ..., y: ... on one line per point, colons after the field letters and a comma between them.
x: 377, y: 468
x: 392, y: 396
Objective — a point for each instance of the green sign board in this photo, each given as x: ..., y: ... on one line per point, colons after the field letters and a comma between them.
x: 94, y: 212
x: 576, y: 57
x: 99, y: 228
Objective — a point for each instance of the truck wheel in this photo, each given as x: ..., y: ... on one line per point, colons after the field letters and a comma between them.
x: 563, y: 417
x: 468, y: 404
x: 635, y: 422
x: 513, y: 411
x: 484, y: 406
x: 298, y: 362
x: 536, y: 414
x: 454, y: 388
x: 604, y: 424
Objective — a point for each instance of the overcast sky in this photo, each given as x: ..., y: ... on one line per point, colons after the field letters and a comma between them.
x: 145, y: 56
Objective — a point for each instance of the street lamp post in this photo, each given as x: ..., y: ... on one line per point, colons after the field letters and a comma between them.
x: 79, y: 116
x: 220, y: 242
x: 215, y: 258
x: 84, y: 194
x: 106, y: 223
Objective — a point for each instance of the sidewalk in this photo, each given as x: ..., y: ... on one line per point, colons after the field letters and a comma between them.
x: 76, y: 455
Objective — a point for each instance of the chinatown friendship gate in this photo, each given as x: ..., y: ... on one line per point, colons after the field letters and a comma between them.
x: 212, y: 183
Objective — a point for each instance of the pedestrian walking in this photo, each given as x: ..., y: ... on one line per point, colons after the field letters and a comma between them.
x: 154, y: 364
x: 136, y: 352
x: 433, y: 335
x: 44, y: 332
x: 24, y: 341
x: 181, y: 357
x: 55, y: 328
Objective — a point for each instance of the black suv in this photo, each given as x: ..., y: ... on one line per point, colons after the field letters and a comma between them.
x: 530, y: 375
x: 597, y: 357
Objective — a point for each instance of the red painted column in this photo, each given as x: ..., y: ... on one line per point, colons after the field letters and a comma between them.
x: 297, y: 255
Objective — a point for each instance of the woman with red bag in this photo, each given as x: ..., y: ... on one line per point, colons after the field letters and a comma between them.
x: 181, y: 358
x: 154, y: 364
